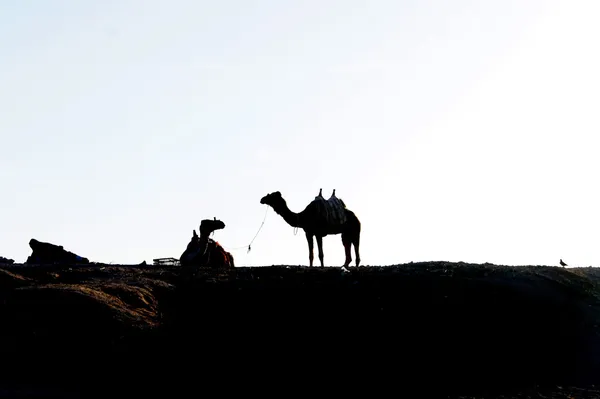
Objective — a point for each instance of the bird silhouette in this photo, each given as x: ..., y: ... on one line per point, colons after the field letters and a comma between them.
x: 563, y: 264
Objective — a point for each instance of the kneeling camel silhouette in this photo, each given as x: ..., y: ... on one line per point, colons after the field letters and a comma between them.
x: 318, y: 220
x: 203, y: 251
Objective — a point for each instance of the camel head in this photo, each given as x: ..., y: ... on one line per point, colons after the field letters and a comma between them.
x: 274, y: 200
x: 207, y: 226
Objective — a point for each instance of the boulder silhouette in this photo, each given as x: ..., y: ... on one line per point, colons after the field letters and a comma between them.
x: 47, y: 253
x: 6, y: 261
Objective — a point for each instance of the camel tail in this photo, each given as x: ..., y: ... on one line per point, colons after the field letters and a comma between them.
x: 353, y: 220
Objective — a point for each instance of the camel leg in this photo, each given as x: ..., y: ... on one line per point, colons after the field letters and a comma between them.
x: 347, y: 244
x: 356, y: 254
x: 309, y: 239
x: 320, y: 247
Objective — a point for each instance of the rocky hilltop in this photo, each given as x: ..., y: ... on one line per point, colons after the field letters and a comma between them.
x: 453, y: 328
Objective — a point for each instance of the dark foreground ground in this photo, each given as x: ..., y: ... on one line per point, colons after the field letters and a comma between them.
x: 416, y: 330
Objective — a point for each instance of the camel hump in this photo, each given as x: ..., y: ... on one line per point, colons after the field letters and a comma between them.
x: 337, y: 210
x: 337, y: 202
x: 319, y: 197
x: 333, y: 210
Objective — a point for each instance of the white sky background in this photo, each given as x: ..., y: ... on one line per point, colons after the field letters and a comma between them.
x: 458, y: 131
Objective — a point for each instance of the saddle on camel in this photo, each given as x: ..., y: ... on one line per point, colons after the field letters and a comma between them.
x: 333, y: 210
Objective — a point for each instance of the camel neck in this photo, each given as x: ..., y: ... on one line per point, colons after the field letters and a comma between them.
x: 291, y: 218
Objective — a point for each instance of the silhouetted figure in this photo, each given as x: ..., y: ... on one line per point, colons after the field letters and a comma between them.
x: 563, y: 264
x: 46, y: 253
x: 202, y: 251
x: 321, y: 218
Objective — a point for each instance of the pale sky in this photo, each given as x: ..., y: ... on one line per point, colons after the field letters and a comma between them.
x: 459, y: 130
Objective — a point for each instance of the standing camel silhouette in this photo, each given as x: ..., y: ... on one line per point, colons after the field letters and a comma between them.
x: 321, y: 218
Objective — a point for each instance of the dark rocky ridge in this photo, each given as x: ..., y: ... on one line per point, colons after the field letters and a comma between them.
x: 464, y: 328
